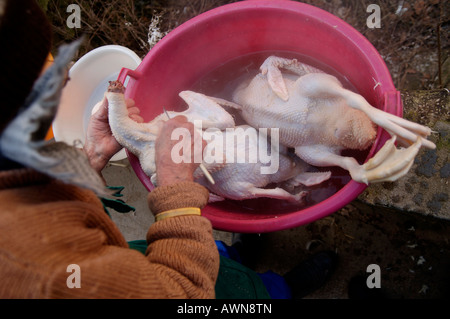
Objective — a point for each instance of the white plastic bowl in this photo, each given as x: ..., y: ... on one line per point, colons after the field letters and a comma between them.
x: 88, y: 82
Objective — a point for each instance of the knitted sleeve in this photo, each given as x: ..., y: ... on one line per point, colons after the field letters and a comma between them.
x: 57, y: 242
x: 185, y: 194
x: 187, y: 245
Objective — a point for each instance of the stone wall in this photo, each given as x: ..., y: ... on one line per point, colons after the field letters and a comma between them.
x: 425, y: 189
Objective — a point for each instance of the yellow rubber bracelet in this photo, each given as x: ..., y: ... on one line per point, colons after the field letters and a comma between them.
x: 178, y: 212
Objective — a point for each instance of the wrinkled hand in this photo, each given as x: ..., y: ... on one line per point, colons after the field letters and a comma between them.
x: 100, y: 144
x: 169, y: 170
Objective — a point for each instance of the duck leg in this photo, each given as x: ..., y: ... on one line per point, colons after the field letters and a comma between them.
x: 407, y: 132
x: 277, y: 193
x: 389, y: 164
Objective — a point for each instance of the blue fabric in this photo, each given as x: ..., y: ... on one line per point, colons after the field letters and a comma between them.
x: 275, y: 284
x: 228, y: 251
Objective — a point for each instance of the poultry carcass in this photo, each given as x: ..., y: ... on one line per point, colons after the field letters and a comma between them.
x: 139, y: 138
x: 320, y: 118
x: 242, y: 172
x: 235, y: 178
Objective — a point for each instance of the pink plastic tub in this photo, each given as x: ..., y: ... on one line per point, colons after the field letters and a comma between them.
x: 213, y: 38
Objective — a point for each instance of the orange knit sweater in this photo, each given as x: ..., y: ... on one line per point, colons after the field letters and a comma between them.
x: 46, y: 225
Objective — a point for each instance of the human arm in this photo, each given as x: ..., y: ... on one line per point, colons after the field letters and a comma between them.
x: 181, y: 248
x: 178, y: 191
x: 66, y: 225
